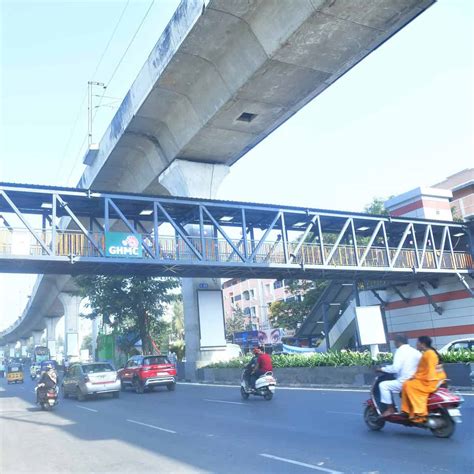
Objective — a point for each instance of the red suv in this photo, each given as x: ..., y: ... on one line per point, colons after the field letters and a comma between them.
x: 145, y: 372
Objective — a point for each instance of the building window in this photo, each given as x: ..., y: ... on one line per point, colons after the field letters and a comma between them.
x: 237, y: 298
x: 246, y: 295
x: 247, y: 311
x: 277, y: 284
x: 252, y: 311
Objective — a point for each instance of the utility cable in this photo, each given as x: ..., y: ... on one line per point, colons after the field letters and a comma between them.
x: 79, y: 113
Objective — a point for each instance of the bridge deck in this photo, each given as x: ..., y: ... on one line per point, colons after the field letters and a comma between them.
x: 193, y: 237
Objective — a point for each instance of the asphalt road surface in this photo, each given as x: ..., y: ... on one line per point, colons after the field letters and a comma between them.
x: 210, y: 429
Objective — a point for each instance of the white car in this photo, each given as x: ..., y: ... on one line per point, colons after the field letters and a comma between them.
x: 457, y: 345
x: 94, y: 378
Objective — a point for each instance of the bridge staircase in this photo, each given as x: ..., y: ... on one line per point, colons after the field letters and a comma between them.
x: 330, y: 317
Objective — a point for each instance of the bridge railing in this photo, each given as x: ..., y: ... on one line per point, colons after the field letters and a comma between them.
x: 71, y: 243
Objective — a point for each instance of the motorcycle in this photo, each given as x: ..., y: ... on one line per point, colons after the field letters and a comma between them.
x: 443, y: 411
x: 264, y: 386
x: 47, y: 399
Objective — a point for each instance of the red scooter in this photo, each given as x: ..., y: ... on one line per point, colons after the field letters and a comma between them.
x: 443, y: 411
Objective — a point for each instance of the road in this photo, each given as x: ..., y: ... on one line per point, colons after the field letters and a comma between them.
x: 210, y: 429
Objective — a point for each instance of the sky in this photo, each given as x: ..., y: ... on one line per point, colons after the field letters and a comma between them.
x: 400, y: 119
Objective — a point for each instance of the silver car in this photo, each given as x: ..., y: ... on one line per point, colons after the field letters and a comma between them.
x: 94, y: 378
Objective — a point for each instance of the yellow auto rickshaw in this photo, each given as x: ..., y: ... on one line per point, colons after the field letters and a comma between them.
x: 15, y: 373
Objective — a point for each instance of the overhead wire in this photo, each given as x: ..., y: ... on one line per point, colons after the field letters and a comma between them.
x: 112, y: 77
x: 79, y: 113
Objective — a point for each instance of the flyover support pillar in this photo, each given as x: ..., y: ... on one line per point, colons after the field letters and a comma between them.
x: 71, y: 305
x: 37, y: 335
x: 51, y: 324
x: 24, y: 346
x: 198, y: 180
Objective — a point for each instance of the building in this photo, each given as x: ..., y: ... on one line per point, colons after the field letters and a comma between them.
x: 462, y: 187
x: 253, y: 297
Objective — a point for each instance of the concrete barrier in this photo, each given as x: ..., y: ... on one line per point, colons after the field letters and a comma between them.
x: 358, y: 376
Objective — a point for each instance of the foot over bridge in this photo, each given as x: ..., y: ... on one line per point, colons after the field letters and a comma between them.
x: 53, y: 230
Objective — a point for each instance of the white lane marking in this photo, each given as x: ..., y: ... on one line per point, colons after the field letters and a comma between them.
x: 88, y: 409
x: 224, y: 401
x: 302, y: 464
x: 345, y: 413
x: 309, y: 389
x: 151, y: 426
x: 303, y: 389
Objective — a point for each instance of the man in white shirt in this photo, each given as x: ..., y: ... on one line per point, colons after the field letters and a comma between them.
x: 405, y: 363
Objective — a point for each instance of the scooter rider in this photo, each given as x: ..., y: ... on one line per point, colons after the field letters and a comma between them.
x: 405, y: 363
x: 48, y: 381
x: 250, y: 367
x: 263, y: 365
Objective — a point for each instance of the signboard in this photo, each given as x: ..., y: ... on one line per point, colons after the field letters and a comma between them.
x: 123, y: 245
x: 246, y: 338
x: 211, y: 319
x: 270, y: 336
x: 370, y: 325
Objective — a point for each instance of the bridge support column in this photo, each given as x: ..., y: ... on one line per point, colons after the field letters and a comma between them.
x: 71, y: 305
x: 37, y: 335
x: 51, y: 324
x: 199, y: 180
x: 24, y: 346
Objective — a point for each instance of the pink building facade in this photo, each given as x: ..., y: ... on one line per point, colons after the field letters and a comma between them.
x: 253, y: 297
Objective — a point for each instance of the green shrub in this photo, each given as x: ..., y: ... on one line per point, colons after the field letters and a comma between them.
x: 336, y: 359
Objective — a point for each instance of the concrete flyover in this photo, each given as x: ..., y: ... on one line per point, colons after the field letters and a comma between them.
x: 222, y: 77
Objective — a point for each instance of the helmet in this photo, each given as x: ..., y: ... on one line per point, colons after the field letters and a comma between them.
x: 48, y: 366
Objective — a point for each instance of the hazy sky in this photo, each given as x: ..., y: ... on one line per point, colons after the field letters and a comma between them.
x: 400, y: 119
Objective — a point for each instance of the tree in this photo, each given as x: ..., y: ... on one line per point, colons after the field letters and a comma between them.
x: 177, y: 321
x: 87, y: 343
x: 377, y: 207
x: 290, y: 314
x: 235, y: 322
x: 129, y: 304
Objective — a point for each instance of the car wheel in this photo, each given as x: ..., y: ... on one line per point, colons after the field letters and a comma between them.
x: 139, y: 387
x: 123, y: 386
x: 79, y: 395
x: 171, y: 386
x: 116, y: 395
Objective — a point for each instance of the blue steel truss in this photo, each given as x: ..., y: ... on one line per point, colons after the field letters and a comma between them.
x: 62, y: 231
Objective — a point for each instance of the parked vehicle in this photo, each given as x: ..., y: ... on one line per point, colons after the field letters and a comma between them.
x: 146, y: 372
x: 15, y: 373
x: 264, y: 387
x: 47, y: 399
x: 443, y: 411
x: 94, y: 378
x: 458, y: 345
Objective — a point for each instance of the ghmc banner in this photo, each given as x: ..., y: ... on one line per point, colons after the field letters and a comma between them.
x: 123, y: 245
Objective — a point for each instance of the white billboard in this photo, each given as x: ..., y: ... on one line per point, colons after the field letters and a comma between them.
x: 370, y: 325
x: 211, y: 319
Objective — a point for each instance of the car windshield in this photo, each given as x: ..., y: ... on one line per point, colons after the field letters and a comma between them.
x: 156, y: 360
x: 96, y: 368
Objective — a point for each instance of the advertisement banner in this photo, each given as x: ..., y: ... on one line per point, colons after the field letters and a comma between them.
x: 123, y: 245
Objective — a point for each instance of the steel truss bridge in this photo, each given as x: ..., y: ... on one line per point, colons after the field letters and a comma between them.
x: 53, y: 230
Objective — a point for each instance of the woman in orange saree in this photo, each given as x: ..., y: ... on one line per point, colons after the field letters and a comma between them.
x: 416, y: 391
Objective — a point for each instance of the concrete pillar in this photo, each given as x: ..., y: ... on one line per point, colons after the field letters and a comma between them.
x: 71, y: 305
x: 24, y: 346
x: 199, y: 180
x: 51, y: 339
x: 37, y: 335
